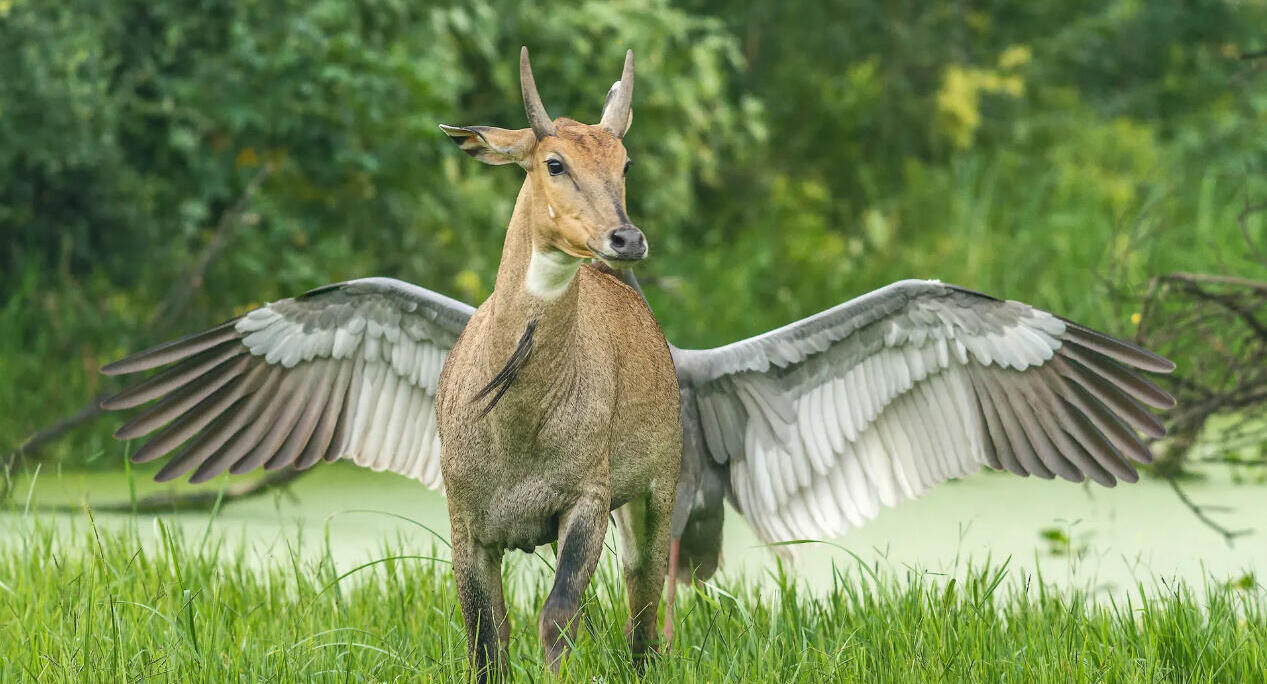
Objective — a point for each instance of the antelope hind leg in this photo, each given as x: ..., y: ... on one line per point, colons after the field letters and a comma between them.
x: 478, y: 570
x: 581, y: 535
x: 671, y: 594
x: 644, y: 541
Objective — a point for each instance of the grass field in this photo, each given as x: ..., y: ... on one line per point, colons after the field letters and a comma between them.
x: 94, y: 604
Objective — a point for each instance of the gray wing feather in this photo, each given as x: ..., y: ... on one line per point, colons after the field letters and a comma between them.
x: 344, y: 371
x: 883, y: 397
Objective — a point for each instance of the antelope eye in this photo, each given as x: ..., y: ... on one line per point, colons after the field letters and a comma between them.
x: 628, y: 163
x: 554, y: 166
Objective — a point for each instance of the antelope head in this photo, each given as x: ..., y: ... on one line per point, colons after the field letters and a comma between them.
x: 576, y: 172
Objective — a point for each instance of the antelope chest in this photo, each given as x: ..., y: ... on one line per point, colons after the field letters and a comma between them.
x: 510, y: 474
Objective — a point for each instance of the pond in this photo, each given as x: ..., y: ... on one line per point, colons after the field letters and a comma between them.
x: 1108, y: 540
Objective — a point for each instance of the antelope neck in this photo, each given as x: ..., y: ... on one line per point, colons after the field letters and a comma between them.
x: 534, y: 283
x: 550, y: 273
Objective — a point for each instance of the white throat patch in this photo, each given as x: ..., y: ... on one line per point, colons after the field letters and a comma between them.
x: 549, y: 273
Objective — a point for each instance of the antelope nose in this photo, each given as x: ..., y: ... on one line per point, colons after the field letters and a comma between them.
x: 627, y: 242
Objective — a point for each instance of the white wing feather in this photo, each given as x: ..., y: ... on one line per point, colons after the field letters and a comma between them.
x: 902, y: 389
x: 382, y: 340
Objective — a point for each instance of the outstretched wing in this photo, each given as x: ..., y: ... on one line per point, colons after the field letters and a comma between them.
x: 345, y: 371
x: 878, y: 399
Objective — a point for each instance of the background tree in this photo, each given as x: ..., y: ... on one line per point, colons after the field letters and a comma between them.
x: 788, y: 156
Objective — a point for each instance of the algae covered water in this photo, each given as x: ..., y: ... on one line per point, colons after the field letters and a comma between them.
x: 1076, y: 536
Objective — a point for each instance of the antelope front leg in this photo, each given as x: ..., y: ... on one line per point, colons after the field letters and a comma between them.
x: 644, y: 542
x: 580, y: 542
x: 478, y: 570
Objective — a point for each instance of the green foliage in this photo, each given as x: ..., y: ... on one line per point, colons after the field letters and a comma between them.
x: 101, y: 605
x: 789, y: 155
x: 130, y: 129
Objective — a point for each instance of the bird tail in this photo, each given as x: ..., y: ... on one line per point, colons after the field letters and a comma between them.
x: 699, y: 552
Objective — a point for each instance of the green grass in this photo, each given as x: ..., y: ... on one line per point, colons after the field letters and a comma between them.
x: 94, y: 604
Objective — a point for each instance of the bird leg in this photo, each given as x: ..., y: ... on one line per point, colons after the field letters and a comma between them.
x: 672, y: 592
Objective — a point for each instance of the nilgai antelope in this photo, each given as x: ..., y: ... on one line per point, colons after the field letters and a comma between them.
x: 806, y: 430
x: 558, y: 403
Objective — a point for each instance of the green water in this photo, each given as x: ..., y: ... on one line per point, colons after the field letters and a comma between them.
x: 1118, y: 537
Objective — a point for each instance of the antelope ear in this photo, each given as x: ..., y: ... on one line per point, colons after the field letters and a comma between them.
x: 492, y: 145
x: 611, y: 92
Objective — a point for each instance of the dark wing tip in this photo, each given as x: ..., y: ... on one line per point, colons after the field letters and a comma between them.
x: 1120, y: 350
x: 113, y: 368
x: 168, y: 473
x: 127, y: 431
x: 173, y: 350
x: 111, y: 403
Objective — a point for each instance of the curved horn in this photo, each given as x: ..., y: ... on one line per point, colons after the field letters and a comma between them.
x: 616, y: 113
x: 541, y: 124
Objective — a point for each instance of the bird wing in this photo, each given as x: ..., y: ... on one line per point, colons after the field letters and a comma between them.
x: 878, y: 399
x: 345, y: 371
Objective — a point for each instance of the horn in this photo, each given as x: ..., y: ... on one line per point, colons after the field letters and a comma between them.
x: 541, y: 124
x: 616, y: 113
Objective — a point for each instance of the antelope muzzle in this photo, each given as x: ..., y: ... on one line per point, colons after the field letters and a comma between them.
x: 625, y: 243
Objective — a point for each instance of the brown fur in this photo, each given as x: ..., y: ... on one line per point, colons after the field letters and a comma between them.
x: 590, y: 424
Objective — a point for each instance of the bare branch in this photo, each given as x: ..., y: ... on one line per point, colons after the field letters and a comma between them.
x: 178, y: 297
x: 1195, y: 278
x: 1214, y: 326
x: 1229, y: 536
x: 192, y: 501
x: 9, y: 464
x: 1242, y: 223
